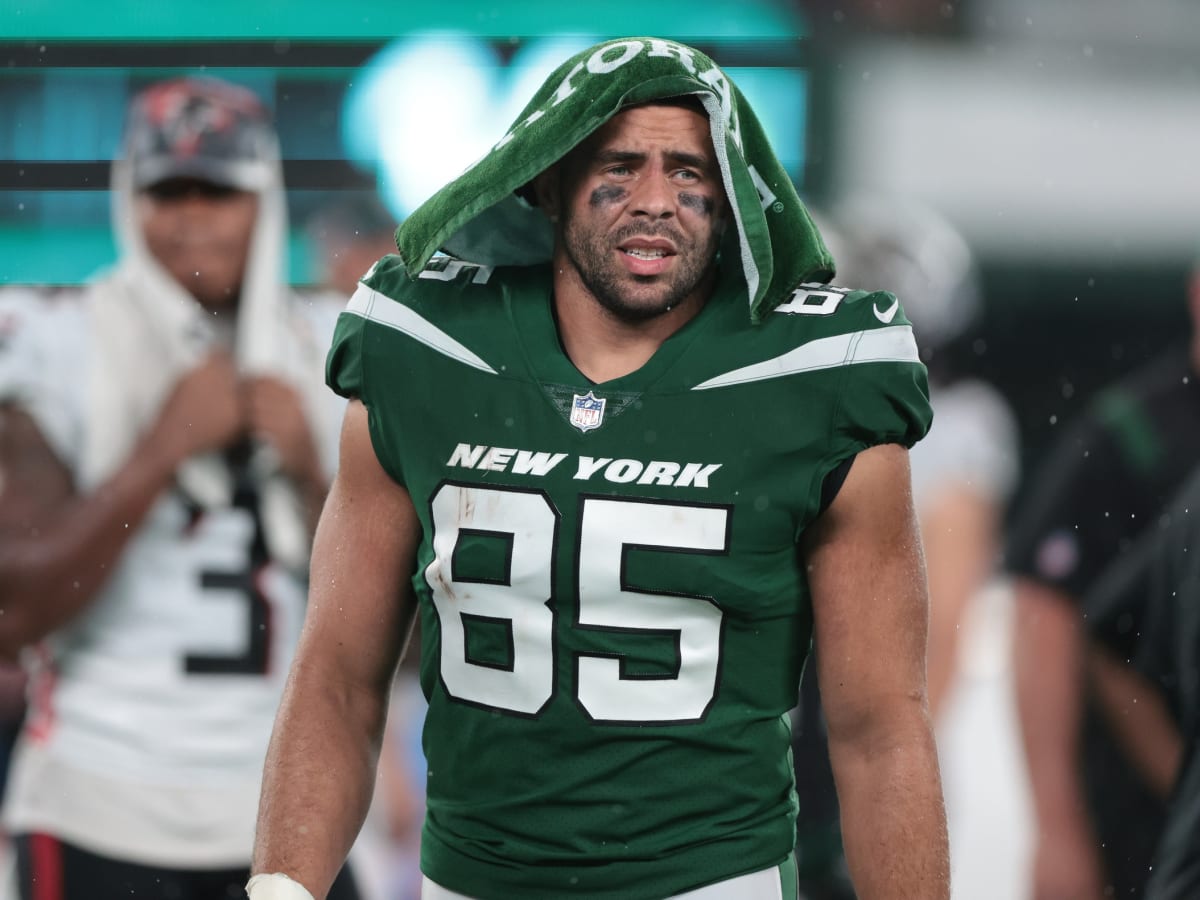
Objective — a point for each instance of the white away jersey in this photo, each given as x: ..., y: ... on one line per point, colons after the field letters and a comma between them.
x: 150, y: 713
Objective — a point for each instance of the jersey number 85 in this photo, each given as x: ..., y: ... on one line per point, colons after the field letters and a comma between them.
x: 521, y: 599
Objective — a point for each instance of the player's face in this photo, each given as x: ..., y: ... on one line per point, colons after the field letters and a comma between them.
x: 200, y: 233
x: 641, y: 210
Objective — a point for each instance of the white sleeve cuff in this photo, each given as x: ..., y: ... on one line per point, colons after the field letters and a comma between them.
x: 276, y: 886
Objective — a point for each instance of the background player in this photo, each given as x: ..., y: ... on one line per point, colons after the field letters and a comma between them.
x: 1108, y: 478
x: 167, y: 447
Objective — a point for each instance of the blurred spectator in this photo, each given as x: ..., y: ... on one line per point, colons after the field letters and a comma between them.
x: 1106, y: 480
x: 347, y: 237
x: 1158, y: 584
x: 167, y: 446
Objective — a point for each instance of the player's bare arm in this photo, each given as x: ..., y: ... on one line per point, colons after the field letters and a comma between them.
x: 321, y: 763
x: 870, y: 607
x: 1049, y: 665
x: 60, y: 546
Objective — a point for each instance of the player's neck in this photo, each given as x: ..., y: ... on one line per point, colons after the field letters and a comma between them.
x: 603, y: 346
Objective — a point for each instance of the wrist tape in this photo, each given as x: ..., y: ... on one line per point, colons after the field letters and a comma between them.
x: 276, y: 886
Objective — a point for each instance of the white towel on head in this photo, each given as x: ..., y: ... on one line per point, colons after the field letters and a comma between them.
x: 149, y: 332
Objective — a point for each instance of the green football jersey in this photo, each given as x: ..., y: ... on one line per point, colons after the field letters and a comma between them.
x: 614, y: 615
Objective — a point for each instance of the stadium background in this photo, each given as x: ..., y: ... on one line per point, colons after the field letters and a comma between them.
x: 1062, y: 141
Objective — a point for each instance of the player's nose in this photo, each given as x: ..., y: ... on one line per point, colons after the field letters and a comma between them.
x: 653, y: 196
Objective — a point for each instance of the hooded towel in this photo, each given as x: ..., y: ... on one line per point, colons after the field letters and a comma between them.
x: 480, y: 218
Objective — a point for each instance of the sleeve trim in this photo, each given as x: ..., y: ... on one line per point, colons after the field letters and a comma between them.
x: 894, y: 344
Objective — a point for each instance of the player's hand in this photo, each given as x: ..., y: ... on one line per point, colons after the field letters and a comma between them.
x: 275, y: 416
x: 1066, y: 866
x: 202, y: 412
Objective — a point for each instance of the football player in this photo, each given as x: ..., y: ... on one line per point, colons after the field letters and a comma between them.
x: 626, y: 454
x: 167, y: 446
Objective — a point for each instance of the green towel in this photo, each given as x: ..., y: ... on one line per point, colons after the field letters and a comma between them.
x: 480, y: 218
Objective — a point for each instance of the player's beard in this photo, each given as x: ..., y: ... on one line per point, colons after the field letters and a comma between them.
x: 639, y: 298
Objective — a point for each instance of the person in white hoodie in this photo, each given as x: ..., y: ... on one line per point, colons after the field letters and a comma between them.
x: 165, y: 448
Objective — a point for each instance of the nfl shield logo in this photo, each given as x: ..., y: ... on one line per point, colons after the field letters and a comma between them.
x: 587, y: 412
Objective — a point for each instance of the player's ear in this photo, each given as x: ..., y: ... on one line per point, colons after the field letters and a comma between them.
x: 547, y: 192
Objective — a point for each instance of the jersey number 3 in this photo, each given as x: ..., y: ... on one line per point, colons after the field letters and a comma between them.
x: 519, y: 598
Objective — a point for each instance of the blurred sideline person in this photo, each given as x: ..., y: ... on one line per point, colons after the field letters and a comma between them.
x: 1099, y: 779
x: 346, y: 236
x: 963, y: 475
x: 166, y: 450
x: 624, y: 508
x: 1157, y: 583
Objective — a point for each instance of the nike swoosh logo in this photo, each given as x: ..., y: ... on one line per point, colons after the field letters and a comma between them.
x: 888, y: 314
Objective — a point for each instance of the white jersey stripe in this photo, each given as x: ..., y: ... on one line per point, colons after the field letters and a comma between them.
x: 400, y: 317
x: 892, y: 344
